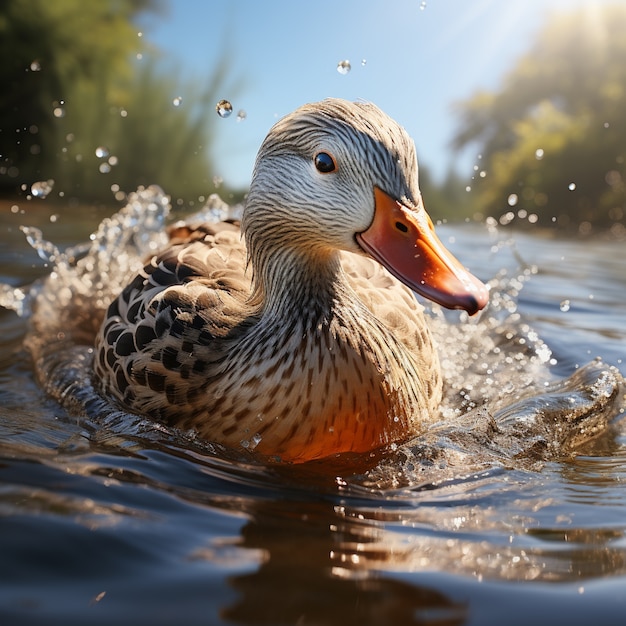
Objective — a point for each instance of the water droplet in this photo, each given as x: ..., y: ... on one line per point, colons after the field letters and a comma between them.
x: 177, y: 101
x: 102, y: 152
x: 423, y: 5
x: 139, y: 34
x: 468, y: 188
x: 606, y: 124
x: 571, y: 186
x: 241, y: 115
x: 224, y: 108
x: 104, y: 168
x: 363, y: 62
x: 113, y: 160
x: 512, y: 199
x: 42, y: 188
x: 343, y: 67
x: 58, y: 111
x: 35, y: 66
x: 539, y: 154
x: 564, y: 306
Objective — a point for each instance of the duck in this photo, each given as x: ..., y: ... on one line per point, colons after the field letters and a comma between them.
x: 295, y: 334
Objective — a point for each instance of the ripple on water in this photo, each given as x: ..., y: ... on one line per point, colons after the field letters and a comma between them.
x: 502, y: 405
x: 461, y: 504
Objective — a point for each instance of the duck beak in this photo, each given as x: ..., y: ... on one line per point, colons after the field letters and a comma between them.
x: 404, y: 241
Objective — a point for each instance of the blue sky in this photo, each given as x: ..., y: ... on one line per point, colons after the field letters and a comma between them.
x: 412, y: 58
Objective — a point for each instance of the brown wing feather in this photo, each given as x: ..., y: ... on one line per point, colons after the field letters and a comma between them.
x: 158, y: 335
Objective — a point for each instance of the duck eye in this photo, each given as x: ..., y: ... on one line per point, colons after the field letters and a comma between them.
x: 325, y: 163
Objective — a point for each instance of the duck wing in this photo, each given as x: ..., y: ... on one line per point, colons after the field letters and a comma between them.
x: 166, y: 329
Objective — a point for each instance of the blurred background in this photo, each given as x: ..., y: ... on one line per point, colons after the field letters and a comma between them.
x: 517, y: 109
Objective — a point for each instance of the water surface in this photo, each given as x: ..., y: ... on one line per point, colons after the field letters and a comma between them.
x: 105, y: 521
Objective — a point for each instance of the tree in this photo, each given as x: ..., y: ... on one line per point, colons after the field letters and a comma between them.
x: 47, y: 48
x: 553, y: 139
x: 78, y: 107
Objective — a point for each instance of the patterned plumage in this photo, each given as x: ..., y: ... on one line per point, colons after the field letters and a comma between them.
x: 298, y: 344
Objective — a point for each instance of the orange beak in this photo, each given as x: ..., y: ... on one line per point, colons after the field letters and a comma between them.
x: 404, y: 241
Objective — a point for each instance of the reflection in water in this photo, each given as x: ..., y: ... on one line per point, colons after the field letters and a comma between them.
x: 323, y: 562
x: 327, y: 575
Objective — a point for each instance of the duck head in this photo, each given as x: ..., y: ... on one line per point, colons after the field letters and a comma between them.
x: 337, y: 175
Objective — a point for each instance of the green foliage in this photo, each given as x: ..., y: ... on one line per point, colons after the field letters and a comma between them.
x: 74, y: 84
x: 447, y: 200
x: 554, y: 137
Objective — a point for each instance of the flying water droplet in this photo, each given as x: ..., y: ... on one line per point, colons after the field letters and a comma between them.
x: 102, y: 152
x: 42, y: 188
x: 343, y: 67
x: 512, y: 199
x: 224, y: 108
x: 423, y: 5
x: 571, y: 186
x: 539, y: 154
x: 177, y: 101
x: 241, y: 115
x: 35, y: 66
x: 565, y: 306
x: 104, y: 168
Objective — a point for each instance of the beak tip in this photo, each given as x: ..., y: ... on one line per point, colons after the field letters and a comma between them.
x: 476, y: 301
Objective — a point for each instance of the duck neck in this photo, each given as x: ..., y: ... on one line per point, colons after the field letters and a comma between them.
x: 307, y: 284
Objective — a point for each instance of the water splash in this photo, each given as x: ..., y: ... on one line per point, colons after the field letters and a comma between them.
x: 98, y: 270
x: 58, y: 110
x: 502, y: 405
x: 224, y: 108
x: 42, y: 188
x: 344, y: 67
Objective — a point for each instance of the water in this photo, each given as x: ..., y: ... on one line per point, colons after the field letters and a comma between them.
x: 509, y: 511
x: 224, y: 108
x: 42, y: 188
x: 344, y: 67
